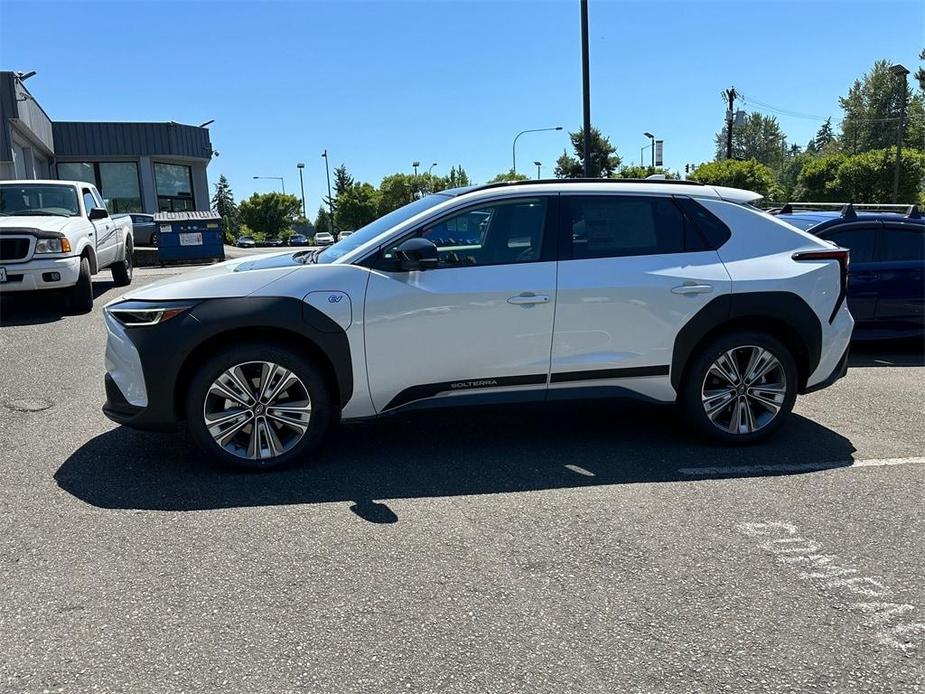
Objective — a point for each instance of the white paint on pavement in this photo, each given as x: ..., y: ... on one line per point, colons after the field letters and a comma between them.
x: 796, y: 467
x: 782, y: 540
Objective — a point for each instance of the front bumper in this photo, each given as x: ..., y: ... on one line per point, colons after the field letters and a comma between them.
x: 121, y: 411
x: 28, y: 276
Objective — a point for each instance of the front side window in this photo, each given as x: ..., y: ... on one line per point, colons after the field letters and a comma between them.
x: 499, y: 233
x: 859, y: 241
x: 31, y: 199
x: 89, y: 200
x: 903, y: 244
x: 612, y: 226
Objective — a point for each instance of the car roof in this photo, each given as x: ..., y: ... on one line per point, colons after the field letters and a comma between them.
x: 830, y: 218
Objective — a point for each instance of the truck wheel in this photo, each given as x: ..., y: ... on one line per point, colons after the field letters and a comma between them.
x: 122, y: 271
x: 739, y: 388
x: 82, y: 292
x: 259, y: 406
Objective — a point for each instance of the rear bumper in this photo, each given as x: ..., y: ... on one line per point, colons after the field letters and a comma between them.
x: 28, y: 276
x: 841, y: 369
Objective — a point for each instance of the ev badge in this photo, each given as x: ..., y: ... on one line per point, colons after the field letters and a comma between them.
x: 335, y: 298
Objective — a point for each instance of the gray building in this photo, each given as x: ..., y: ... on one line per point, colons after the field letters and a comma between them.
x: 138, y: 167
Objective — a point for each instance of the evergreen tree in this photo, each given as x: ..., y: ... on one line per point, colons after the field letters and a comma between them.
x: 323, y: 220
x: 604, y: 157
x: 759, y: 138
x: 825, y: 137
x: 223, y: 203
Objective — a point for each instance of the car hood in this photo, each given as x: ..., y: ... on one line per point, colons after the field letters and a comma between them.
x: 232, y: 278
x: 54, y: 224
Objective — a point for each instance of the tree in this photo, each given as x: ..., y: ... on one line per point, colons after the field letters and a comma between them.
x: 863, y: 177
x: 270, y: 213
x: 457, y: 178
x: 357, y: 206
x: 635, y: 171
x: 920, y: 73
x: 395, y: 191
x: 759, y: 138
x: 223, y: 203
x: 509, y: 175
x: 824, y: 139
x: 604, y: 157
x: 343, y: 181
x: 749, y: 175
x: 323, y: 220
x: 871, y: 112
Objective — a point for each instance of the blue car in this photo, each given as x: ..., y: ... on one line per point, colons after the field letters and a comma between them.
x: 886, y: 270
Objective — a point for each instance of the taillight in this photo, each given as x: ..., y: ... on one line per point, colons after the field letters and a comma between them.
x: 839, y: 254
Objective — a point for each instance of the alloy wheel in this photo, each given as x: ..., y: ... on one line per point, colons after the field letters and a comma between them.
x: 257, y: 410
x: 744, y: 389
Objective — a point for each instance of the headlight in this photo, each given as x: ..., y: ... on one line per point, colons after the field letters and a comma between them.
x: 134, y: 314
x: 52, y: 246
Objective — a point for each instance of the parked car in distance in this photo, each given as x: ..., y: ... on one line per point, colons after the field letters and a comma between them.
x: 344, y: 234
x: 679, y: 292
x: 246, y: 242
x: 886, y: 272
x: 273, y: 242
x: 144, y: 230
x: 323, y: 238
x: 56, y: 235
x: 298, y: 240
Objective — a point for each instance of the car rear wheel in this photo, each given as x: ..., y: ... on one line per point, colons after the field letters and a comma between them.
x: 258, y: 407
x: 740, y: 388
x: 122, y: 271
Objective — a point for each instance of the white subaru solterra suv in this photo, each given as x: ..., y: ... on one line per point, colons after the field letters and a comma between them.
x: 533, y: 291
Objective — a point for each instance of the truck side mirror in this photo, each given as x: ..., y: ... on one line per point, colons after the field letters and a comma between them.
x: 417, y: 254
x: 97, y: 213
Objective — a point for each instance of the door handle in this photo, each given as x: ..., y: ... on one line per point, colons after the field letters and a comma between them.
x: 691, y: 288
x: 528, y: 299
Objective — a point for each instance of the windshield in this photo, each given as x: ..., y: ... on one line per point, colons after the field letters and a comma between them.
x: 32, y: 199
x: 373, y: 229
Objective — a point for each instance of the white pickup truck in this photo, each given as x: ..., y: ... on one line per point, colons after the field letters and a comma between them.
x: 56, y: 234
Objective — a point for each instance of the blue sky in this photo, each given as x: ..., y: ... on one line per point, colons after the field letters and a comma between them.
x: 382, y: 84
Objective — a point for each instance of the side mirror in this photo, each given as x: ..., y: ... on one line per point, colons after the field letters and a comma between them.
x: 417, y: 254
x: 97, y: 213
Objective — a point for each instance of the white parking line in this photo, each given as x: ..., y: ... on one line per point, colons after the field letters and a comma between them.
x: 797, y: 467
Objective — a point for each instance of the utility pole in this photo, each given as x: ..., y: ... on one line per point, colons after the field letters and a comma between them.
x: 586, y: 89
x: 301, y: 166
x: 901, y: 72
x: 730, y: 95
x: 327, y: 169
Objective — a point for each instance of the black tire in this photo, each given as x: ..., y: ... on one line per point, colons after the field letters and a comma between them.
x: 153, y: 239
x: 122, y: 271
x: 81, y: 294
x: 695, y: 384
x: 324, y: 412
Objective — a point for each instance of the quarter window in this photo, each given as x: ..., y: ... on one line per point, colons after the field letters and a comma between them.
x: 903, y: 244
x: 618, y: 226
x: 859, y: 241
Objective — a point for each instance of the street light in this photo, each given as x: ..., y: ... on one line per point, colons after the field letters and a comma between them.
x: 300, y: 166
x: 514, y: 144
x: 275, y: 178
x: 415, y: 164
x: 431, y: 168
x: 901, y: 72
x: 327, y: 168
x: 652, y: 139
x: 537, y: 164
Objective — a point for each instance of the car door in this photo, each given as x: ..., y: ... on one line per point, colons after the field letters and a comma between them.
x: 633, y: 270
x: 480, y: 322
x: 901, y: 262
x: 105, y: 239
x: 864, y: 272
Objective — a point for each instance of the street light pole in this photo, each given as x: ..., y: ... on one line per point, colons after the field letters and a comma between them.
x: 902, y: 72
x: 415, y: 164
x: 275, y: 178
x: 538, y: 165
x: 301, y: 166
x: 652, y: 145
x: 431, y: 168
x: 586, y: 89
x: 522, y: 132
x: 327, y: 169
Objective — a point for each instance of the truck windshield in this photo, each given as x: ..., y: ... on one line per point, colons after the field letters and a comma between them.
x: 373, y: 229
x: 37, y: 199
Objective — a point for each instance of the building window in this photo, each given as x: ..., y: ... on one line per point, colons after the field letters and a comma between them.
x: 117, y: 182
x: 174, y: 184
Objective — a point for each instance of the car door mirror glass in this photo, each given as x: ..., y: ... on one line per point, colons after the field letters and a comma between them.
x: 97, y: 213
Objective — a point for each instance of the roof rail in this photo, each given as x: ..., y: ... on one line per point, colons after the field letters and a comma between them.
x: 913, y: 212
x: 847, y: 212
x: 862, y: 206
x: 529, y: 182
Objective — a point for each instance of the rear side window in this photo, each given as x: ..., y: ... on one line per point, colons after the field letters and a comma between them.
x: 859, y: 241
x: 903, y: 244
x: 604, y: 226
x: 714, y: 232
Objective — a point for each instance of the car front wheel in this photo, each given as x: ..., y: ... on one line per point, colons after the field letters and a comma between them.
x: 740, y: 388
x: 258, y: 407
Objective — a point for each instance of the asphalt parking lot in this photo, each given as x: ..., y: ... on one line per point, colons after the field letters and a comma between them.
x: 589, y: 548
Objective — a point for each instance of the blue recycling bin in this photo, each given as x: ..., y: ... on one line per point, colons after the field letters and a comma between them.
x: 189, y: 236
